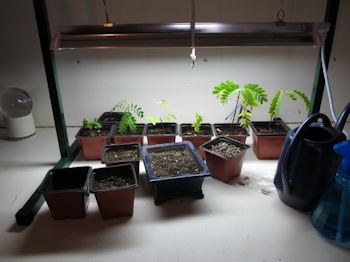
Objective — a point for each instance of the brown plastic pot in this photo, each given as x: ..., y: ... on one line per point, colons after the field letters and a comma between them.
x: 115, y: 148
x: 241, y: 138
x: 92, y: 147
x: 66, y: 191
x: 110, y: 118
x: 196, y: 140
x: 268, y: 145
x: 117, y: 202
x: 154, y: 139
x: 224, y: 169
x: 126, y: 139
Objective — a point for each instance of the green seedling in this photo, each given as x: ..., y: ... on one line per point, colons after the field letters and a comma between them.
x: 130, y: 111
x: 165, y: 116
x: 92, y: 125
x: 198, y: 122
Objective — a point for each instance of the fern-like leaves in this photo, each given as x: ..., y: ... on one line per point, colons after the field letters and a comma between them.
x: 259, y: 92
x: 224, y: 90
x: 275, y: 105
x: 127, y: 124
x: 305, y: 99
x: 245, y: 118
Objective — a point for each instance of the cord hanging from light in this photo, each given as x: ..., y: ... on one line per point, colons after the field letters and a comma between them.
x: 107, y: 23
x: 281, y: 13
x: 193, y: 30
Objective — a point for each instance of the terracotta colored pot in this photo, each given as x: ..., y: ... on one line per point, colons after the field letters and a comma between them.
x: 241, y: 138
x: 126, y: 139
x: 115, y: 148
x: 116, y: 202
x: 92, y: 147
x: 224, y: 169
x: 268, y: 145
x: 196, y: 140
x: 154, y: 139
x: 66, y: 191
x: 110, y: 118
x: 168, y: 187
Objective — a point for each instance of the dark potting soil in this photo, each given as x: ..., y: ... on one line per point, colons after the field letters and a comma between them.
x: 122, y: 154
x: 271, y: 128
x: 189, y: 131
x: 160, y: 131
x: 138, y: 131
x: 173, y: 163
x: 230, y: 131
x: 112, y: 182
x: 95, y: 132
x: 226, y: 150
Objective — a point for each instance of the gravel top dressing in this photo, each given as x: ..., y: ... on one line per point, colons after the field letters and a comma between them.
x: 226, y: 150
x: 112, y: 182
x: 124, y: 154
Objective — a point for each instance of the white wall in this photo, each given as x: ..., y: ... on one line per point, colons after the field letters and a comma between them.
x: 93, y: 80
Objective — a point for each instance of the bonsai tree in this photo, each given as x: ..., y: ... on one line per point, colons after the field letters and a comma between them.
x: 198, y: 122
x: 130, y: 110
x: 164, y: 116
x: 294, y: 95
x: 248, y: 97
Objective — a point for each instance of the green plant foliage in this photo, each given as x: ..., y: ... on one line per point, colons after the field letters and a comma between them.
x: 165, y: 115
x: 127, y: 123
x: 251, y: 95
x: 94, y: 124
x: 198, y: 122
x: 274, y: 109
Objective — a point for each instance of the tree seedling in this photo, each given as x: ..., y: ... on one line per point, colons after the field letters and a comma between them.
x: 249, y: 97
x: 198, y: 122
x: 130, y: 110
x: 164, y: 116
x: 91, y: 125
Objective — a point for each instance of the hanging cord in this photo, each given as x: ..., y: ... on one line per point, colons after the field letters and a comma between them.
x: 328, y: 87
x: 281, y: 13
x: 193, y: 30
x: 107, y: 23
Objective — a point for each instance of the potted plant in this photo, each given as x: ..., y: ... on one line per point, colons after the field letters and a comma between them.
x: 122, y: 154
x: 174, y: 170
x: 197, y: 133
x: 224, y: 157
x: 93, y: 137
x: 269, y: 136
x: 127, y: 131
x: 248, y: 97
x: 158, y: 131
x: 66, y: 191
x: 114, y: 189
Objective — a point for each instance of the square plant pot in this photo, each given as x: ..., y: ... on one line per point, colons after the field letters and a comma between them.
x: 110, y: 118
x: 122, y: 154
x: 137, y: 137
x: 268, y: 145
x: 234, y: 131
x: 187, y: 134
x: 66, y: 191
x: 161, y: 133
x: 174, y: 170
x: 114, y: 189
x: 91, y: 144
x: 224, y: 157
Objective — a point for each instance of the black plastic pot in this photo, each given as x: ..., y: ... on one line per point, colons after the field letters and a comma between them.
x: 115, y: 202
x: 66, y: 191
x: 115, y: 148
x: 226, y: 126
x: 222, y: 168
x: 168, y: 187
x: 154, y: 139
x: 125, y: 139
x: 110, y: 118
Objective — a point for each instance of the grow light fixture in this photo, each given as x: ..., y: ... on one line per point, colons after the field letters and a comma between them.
x: 179, y: 35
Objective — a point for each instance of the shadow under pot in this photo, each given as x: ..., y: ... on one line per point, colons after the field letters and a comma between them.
x: 161, y: 133
x: 174, y: 170
x: 234, y: 131
x: 204, y: 135
x: 122, y: 154
x: 135, y: 137
x: 110, y: 118
x: 224, y: 157
x: 114, y: 189
x: 66, y: 192
x: 93, y: 141
x: 268, y: 138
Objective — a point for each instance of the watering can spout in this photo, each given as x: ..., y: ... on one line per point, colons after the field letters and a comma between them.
x: 342, y: 118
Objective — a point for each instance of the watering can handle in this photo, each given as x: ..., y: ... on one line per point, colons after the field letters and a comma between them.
x: 342, y: 118
x: 297, y: 136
